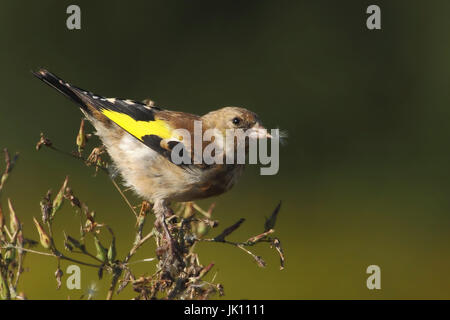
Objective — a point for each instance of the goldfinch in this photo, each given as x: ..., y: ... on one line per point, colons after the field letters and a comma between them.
x: 139, y: 138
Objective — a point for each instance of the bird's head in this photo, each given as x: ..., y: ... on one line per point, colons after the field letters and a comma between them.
x: 236, y: 118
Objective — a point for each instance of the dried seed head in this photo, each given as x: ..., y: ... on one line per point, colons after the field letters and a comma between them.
x: 43, y: 236
x: 73, y: 200
x: 58, y: 275
x: 59, y: 199
x: 43, y: 141
x: 81, y: 138
x: 14, y: 222
x: 3, y: 179
x: 46, y: 206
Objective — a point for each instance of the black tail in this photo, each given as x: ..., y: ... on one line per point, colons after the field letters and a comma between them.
x: 94, y: 104
x: 59, y: 84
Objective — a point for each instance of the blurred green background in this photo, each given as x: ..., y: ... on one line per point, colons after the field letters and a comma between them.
x: 364, y: 177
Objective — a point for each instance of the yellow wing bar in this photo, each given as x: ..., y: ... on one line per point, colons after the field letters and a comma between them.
x: 139, y: 128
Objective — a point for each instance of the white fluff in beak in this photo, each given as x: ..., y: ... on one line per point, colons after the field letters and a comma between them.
x: 259, y: 132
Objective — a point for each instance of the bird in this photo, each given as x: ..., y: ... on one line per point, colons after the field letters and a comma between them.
x: 140, y: 136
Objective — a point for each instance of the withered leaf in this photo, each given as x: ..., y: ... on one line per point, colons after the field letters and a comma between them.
x: 100, y: 273
x: 228, y: 231
x: 76, y: 243
x: 270, y: 222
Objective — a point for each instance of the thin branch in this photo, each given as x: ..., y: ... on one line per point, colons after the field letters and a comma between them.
x: 137, y: 246
x: 139, y: 261
x: 123, y: 196
x: 19, y: 265
x: 113, y: 284
x: 86, y: 253
x: 59, y: 255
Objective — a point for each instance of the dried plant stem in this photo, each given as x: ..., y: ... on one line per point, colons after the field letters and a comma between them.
x: 90, y: 255
x: 113, y: 285
x: 240, y: 245
x: 55, y: 255
x: 63, y: 257
x: 69, y: 154
x: 137, y: 246
x: 123, y: 196
x: 19, y: 266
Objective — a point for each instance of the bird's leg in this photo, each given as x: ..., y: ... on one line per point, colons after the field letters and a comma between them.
x: 162, y: 211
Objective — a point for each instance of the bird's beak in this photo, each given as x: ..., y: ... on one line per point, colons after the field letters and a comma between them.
x: 259, y: 132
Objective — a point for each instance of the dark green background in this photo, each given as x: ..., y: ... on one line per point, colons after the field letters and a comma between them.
x: 364, y: 177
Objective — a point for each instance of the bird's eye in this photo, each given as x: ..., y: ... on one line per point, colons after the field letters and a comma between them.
x: 236, y: 121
